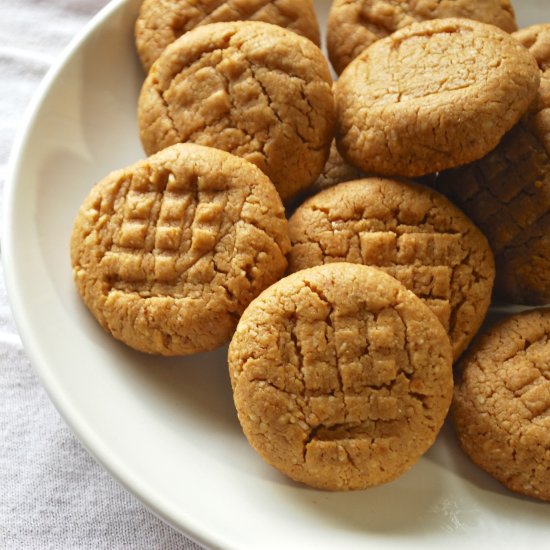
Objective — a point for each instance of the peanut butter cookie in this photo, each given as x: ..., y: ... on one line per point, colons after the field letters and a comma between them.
x: 168, y: 252
x: 507, y: 193
x: 341, y: 376
x: 501, y: 406
x: 160, y: 22
x: 410, y: 232
x: 432, y: 96
x: 353, y: 25
x: 253, y: 89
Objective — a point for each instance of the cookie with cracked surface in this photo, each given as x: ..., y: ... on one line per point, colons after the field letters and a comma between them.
x: 507, y: 192
x: 411, y: 232
x: 168, y: 252
x: 253, y: 89
x: 500, y: 407
x: 160, y: 22
x: 341, y: 376
x: 432, y: 96
x: 354, y: 25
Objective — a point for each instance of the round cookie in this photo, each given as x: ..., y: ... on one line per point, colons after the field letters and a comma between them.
x: 354, y: 25
x: 432, y: 96
x: 409, y: 231
x: 500, y: 407
x: 168, y: 252
x: 160, y: 22
x: 253, y: 89
x: 507, y: 193
x: 341, y: 377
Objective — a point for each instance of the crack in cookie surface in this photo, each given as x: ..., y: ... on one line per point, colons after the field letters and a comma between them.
x: 189, y: 232
x: 256, y: 91
x: 335, y: 378
x: 501, y: 407
x: 410, y: 232
x: 355, y: 24
x: 507, y: 192
x: 432, y: 96
x: 161, y: 22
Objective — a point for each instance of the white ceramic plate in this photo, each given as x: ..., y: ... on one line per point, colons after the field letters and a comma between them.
x: 167, y: 429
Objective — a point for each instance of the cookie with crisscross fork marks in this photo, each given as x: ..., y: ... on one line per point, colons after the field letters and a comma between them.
x: 341, y: 376
x: 412, y: 233
x: 160, y: 22
x: 501, y: 407
x: 253, y: 89
x: 168, y: 252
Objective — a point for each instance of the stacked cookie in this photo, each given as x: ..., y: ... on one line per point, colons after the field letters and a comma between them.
x: 253, y: 89
x: 342, y: 370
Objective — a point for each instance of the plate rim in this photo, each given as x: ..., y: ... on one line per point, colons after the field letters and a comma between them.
x: 11, y: 267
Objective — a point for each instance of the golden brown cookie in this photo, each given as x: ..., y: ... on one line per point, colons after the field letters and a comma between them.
x: 501, y: 405
x: 432, y: 96
x: 354, y: 25
x: 168, y: 252
x: 253, y: 89
x: 536, y: 39
x: 411, y: 232
x: 160, y: 22
x: 341, y: 376
x: 507, y: 193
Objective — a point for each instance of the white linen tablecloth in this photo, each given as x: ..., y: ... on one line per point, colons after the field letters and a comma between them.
x: 53, y: 495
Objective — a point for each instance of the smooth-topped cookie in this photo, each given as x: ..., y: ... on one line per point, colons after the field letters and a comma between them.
x: 256, y: 90
x: 168, y: 252
x: 507, y: 193
x: 160, y: 22
x: 354, y: 25
x: 432, y: 96
x: 412, y: 233
x: 341, y: 376
x: 501, y: 406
